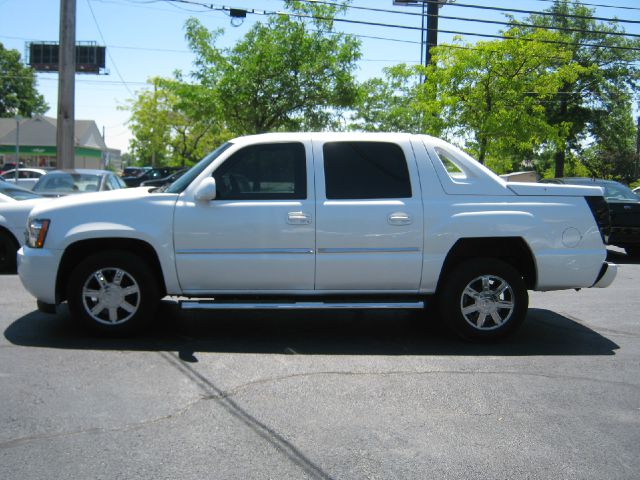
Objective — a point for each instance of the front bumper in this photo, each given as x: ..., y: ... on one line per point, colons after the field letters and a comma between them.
x: 607, y: 275
x: 38, y: 269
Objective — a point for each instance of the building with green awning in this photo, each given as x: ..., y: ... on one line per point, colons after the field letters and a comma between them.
x: 37, y: 143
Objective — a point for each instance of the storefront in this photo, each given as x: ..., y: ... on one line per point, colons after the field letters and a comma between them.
x: 37, y: 143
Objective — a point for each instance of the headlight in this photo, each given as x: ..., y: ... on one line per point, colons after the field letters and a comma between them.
x: 37, y: 232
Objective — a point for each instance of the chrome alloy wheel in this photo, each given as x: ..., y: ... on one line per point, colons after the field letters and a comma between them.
x: 111, y: 296
x: 487, y: 302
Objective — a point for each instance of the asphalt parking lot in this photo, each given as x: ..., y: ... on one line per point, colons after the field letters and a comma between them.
x: 353, y: 395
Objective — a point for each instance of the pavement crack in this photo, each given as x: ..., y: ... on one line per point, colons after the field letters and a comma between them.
x: 239, y: 388
x: 99, y: 430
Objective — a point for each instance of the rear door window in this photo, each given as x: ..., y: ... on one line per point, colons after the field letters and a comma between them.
x: 365, y: 170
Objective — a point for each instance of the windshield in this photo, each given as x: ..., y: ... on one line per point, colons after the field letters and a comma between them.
x: 183, y: 182
x: 616, y: 192
x: 68, y: 182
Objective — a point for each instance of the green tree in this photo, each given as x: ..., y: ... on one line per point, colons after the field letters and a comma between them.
x: 294, y: 72
x: 606, y: 82
x: 391, y: 103
x: 150, y: 125
x: 18, y: 93
x: 174, y: 123
x: 492, y: 96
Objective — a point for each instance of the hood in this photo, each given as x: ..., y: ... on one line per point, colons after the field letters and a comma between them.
x: 14, y: 214
x: 554, y: 190
x: 114, y: 197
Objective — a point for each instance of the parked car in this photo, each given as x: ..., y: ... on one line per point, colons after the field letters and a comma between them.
x: 9, y: 166
x: 15, y: 205
x: 58, y: 183
x: 10, y: 193
x: 624, y: 207
x: 27, y: 177
x: 152, y: 174
x: 134, y: 171
x: 164, y: 181
x: 320, y: 220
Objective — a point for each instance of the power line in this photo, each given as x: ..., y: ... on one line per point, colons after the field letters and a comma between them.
x: 599, y: 5
x: 108, y: 53
x: 495, y: 22
x: 409, y: 27
x: 477, y: 20
x: 483, y: 7
x: 538, y: 12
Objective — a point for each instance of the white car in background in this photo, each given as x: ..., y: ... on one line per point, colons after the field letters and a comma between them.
x: 27, y: 177
x: 10, y: 193
x: 15, y: 205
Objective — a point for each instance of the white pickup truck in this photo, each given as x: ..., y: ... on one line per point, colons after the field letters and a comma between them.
x: 320, y: 220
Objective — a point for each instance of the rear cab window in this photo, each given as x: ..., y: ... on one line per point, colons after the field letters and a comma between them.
x: 365, y: 170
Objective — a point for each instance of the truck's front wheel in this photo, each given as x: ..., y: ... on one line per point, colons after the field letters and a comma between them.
x: 483, y: 299
x: 112, y: 292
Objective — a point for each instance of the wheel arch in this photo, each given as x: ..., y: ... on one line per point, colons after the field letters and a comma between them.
x: 10, y: 265
x: 513, y: 250
x: 79, y: 250
x: 10, y: 234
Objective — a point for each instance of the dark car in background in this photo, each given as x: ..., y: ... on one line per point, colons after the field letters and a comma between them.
x: 134, y: 171
x: 152, y: 174
x: 624, y: 208
x: 164, y: 181
x: 58, y: 183
x: 5, y: 167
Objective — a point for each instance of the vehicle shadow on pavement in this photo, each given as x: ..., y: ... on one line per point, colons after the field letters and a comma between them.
x: 311, y: 333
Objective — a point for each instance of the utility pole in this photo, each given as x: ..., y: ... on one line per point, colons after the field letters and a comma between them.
x: 432, y: 27
x: 431, y: 34
x: 65, y: 144
x: 636, y: 170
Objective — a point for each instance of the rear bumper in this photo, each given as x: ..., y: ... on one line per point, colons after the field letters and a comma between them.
x: 606, y: 276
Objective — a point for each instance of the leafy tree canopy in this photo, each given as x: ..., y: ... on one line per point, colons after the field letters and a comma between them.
x: 18, y: 93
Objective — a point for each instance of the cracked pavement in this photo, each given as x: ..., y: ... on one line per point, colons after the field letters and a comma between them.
x: 337, y: 395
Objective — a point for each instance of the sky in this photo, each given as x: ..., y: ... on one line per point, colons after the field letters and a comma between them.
x: 145, y: 38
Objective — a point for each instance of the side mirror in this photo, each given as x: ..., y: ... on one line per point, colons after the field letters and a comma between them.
x: 206, y: 191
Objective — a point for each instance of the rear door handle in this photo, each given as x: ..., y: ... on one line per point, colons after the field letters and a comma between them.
x: 399, y: 218
x: 298, y: 218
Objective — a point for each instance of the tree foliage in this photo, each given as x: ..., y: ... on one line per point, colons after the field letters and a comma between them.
x: 290, y: 73
x: 595, y: 103
x: 18, y: 93
x: 492, y: 94
x: 173, y: 123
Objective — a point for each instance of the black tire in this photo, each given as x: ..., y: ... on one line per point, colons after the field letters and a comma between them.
x: 633, y: 251
x: 483, y: 300
x: 113, y: 292
x: 8, y: 249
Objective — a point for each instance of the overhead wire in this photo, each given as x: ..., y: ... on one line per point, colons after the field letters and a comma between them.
x: 475, y: 20
x: 115, y: 66
x: 407, y: 27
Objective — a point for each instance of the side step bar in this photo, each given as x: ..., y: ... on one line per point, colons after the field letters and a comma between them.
x: 212, y: 305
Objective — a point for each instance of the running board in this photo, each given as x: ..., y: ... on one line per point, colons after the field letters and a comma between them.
x: 212, y: 305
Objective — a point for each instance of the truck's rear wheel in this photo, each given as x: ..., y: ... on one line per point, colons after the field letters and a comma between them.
x: 483, y: 299
x: 112, y: 292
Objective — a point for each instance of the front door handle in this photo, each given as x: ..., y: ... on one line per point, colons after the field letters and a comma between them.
x: 399, y: 218
x: 298, y: 218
